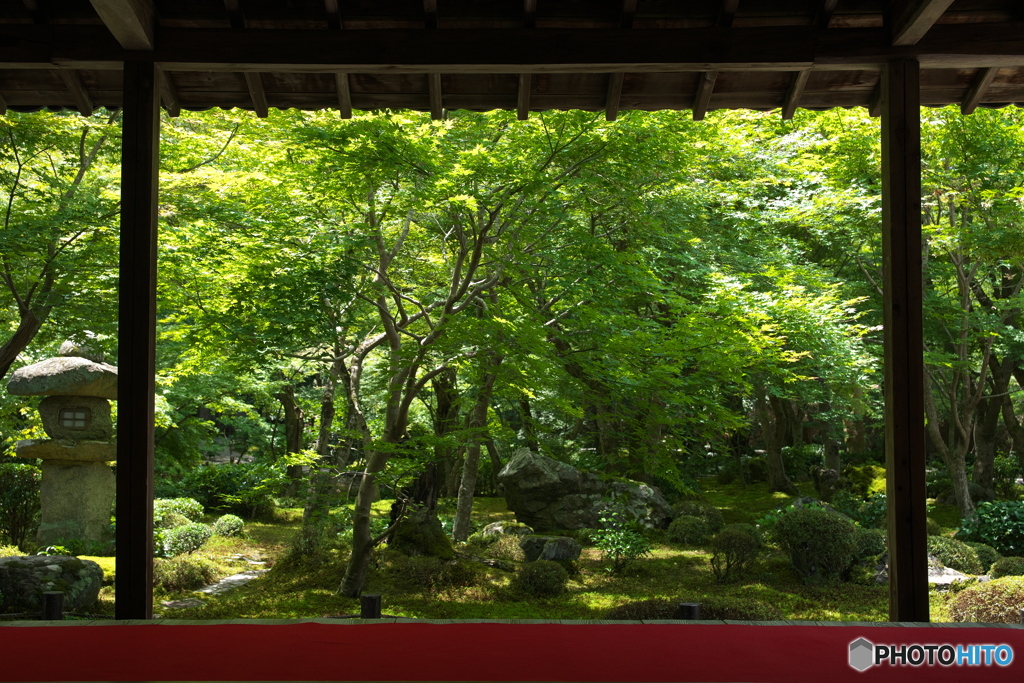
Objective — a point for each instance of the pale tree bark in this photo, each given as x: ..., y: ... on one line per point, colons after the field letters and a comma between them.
x: 476, y: 423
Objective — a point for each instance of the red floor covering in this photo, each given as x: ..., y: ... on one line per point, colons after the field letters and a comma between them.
x: 306, y: 651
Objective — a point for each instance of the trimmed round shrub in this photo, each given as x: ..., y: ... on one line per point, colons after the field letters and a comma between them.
x: 542, y: 578
x: 1007, y: 566
x: 954, y: 554
x: 738, y: 609
x: 821, y: 544
x: 932, y: 527
x: 185, y: 539
x: 994, y: 602
x: 19, y: 501
x: 183, y: 573
x: 186, y: 507
x: 228, y: 525
x: 170, y: 520
x: 987, y: 555
x: 710, y: 514
x: 688, y: 530
x: 733, y: 549
x: 870, y: 542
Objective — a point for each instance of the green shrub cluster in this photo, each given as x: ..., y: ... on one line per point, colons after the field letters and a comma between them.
x: 228, y: 525
x: 541, y: 579
x: 688, y: 530
x: 243, y: 489
x: 869, y: 513
x: 869, y: 543
x: 1007, y: 566
x: 866, y: 480
x: 954, y: 554
x: 170, y: 520
x: 184, y: 539
x: 709, y: 513
x: 821, y: 543
x: 10, y: 551
x: 994, y: 602
x: 999, y: 524
x: 733, y: 549
x: 987, y: 555
x: 645, y: 610
x: 737, y: 609
x: 19, y: 501
x: 189, y: 508
x: 932, y: 527
x: 621, y: 538
x: 183, y: 573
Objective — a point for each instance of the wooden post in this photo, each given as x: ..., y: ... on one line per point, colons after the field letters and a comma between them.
x: 53, y: 606
x: 136, y: 342
x: 369, y: 606
x: 904, y: 356
x: 689, y: 611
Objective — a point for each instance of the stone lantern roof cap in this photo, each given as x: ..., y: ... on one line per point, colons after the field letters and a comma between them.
x: 65, y: 376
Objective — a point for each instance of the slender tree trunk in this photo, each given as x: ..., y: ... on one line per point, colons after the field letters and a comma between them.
x: 954, y: 457
x: 293, y: 427
x: 772, y: 414
x: 496, y: 465
x: 477, y: 423
x: 28, y: 328
x: 529, y: 427
x: 986, y: 442
x: 446, y: 421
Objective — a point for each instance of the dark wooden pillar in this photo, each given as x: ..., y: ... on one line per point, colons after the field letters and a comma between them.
x: 136, y: 342
x: 904, y: 360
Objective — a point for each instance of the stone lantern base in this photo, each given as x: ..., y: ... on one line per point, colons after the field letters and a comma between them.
x: 76, y: 501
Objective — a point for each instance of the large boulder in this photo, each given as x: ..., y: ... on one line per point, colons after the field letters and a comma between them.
x: 549, y: 495
x: 65, y: 376
x: 23, y: 580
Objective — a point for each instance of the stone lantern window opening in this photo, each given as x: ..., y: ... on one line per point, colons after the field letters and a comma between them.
x: 74, y: 418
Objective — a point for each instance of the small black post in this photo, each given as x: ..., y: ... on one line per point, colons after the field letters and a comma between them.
x: 369, y: 606
x: 53, y: 606
x: 689, y: 611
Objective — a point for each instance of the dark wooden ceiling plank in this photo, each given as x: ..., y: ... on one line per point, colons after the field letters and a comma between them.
x: 436, y: 99
x: 169, y: 94
x: 430, y: 13
x: 611, y: 111
x: 978, y: 89
x: 875, y: 103
x: 3, y: 105
x: 912, y: 19
x: 703, y: 97
x: 344, y: 95
x: 523, y: 97
x: 333, y: 14
x: 628, y: 13
x: 254, y: 82
x: 132, y: 22
x: 514, y: 50
x: 529, y: 13
x: 34, y: 11
x: 796, y: 90
x: 79, y: 95
x: 825, y: 11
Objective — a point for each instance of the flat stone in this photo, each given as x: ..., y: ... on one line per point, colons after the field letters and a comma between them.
x: 67, y: 450
x: 233, y: 581
x: 65, y: 376
x: 550, y: 548
x: 77, y: 500
x: 182, y: 604
x: 79, y: 418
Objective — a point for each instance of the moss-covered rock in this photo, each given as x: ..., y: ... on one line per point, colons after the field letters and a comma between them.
x: 421, y: 533
x: 23, y: 580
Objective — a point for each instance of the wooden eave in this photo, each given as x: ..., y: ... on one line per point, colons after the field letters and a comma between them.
x: 264, y: 54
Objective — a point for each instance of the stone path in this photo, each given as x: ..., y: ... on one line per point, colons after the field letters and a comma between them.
x: 222, y: 586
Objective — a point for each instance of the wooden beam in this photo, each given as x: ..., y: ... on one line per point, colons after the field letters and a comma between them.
x: 78, y: 92
x: 254, y: 81
x: 429, y: 13
x: 169, y: 94
x: 235, y: 14
x: 523, y: 100
x: 905, y: 450
x: 628, y: 13
x: 34, y: 11
x: 727, y: 12
x: 875, y: 104
x: 136, y: 337
x: 436, y: 99
x: 614, y: 96
x: 344, y: 95
x: 912, y: 19
x: 333, y: 14
x: 977, y: 90
x: 796, y: 89
x: 3, y: 105
x: 703, y: 97
x: 529, y: 13
x: 130, y: 21
x: 826, y: 9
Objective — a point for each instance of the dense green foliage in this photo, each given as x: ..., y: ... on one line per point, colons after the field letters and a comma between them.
x: 19, y: 502
x: 993, y: 602
x: 821, y: 544
x: 955, y: 554
x: 228, y: 525
x: 189, y: 508
x: 987, y: 555
x: 733, y: 549
x: 688, y: 530
x: 187, y: 538
x: 182, y: 573
x: 1007, y: 566
x: 540, y: 579
x: 998, y: 524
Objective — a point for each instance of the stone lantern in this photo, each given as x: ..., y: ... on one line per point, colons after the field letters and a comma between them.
x: 78, y: 484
